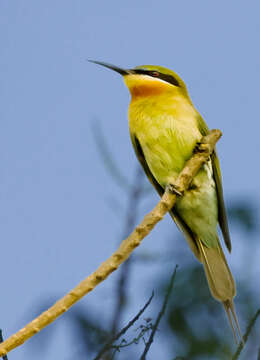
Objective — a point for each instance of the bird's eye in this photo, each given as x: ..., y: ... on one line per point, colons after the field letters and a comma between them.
x: 155, y: 73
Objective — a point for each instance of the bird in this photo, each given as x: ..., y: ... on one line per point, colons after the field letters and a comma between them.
x: 165, y: 128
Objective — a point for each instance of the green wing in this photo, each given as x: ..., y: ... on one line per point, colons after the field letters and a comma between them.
x: 222, y: 215
x: 190, y: 237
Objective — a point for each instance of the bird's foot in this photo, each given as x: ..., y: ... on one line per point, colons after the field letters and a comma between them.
x: 201, y: 147
x: 174, y: 189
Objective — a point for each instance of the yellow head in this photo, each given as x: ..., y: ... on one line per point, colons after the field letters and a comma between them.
x: 150, y: 80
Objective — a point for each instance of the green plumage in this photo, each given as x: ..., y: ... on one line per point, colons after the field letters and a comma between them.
x: 165, y: 128
x: 167, y: 137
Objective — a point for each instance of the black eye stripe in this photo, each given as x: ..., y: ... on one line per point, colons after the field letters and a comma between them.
x: 169, y: 78
x: 154, y: 73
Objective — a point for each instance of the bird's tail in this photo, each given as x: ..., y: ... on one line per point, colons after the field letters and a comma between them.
x: 221, y: 282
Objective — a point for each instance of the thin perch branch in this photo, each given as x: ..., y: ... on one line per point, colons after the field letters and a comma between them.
x: 123, y: 252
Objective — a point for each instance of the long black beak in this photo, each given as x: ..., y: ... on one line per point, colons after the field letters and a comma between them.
x: 112, y: 67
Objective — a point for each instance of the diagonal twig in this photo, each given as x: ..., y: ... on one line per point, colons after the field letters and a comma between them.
x: 107, y: 346
x: 125, y: 249
x: 161, y: 313
x: 245, y: 337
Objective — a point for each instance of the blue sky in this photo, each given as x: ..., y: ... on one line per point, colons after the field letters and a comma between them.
x: 55, y: 222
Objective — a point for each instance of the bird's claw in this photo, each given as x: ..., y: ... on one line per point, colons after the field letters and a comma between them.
x: 174, y: 189
x: 201, y: 147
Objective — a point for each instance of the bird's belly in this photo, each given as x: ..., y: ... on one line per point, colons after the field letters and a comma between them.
x: 166, y: 152
x: 167, y: 136
x: 198, y: 207
x: 167, y: 149
x: 163, y: 162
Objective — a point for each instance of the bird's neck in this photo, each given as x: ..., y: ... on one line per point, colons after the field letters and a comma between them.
x: 141, y: 86
x: 146, y: 90
x: 162, y: 103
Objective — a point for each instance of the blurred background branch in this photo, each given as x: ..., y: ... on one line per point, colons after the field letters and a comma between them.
x: 245, y: 337
x: 135, y: 194
x: 160, y: 315
x: 108, y: 345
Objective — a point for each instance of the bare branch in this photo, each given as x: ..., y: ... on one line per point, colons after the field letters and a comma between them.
x: 160, y: 315
x: 245, y: 337
x: 124, y: 330
x: 123, y: 252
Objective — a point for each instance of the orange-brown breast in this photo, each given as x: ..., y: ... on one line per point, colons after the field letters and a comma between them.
x: 143, y: 86
x: 147, y: 89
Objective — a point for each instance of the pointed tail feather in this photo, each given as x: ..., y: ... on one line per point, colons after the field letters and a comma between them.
x: 220, y: 280
x: 232, y: 317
